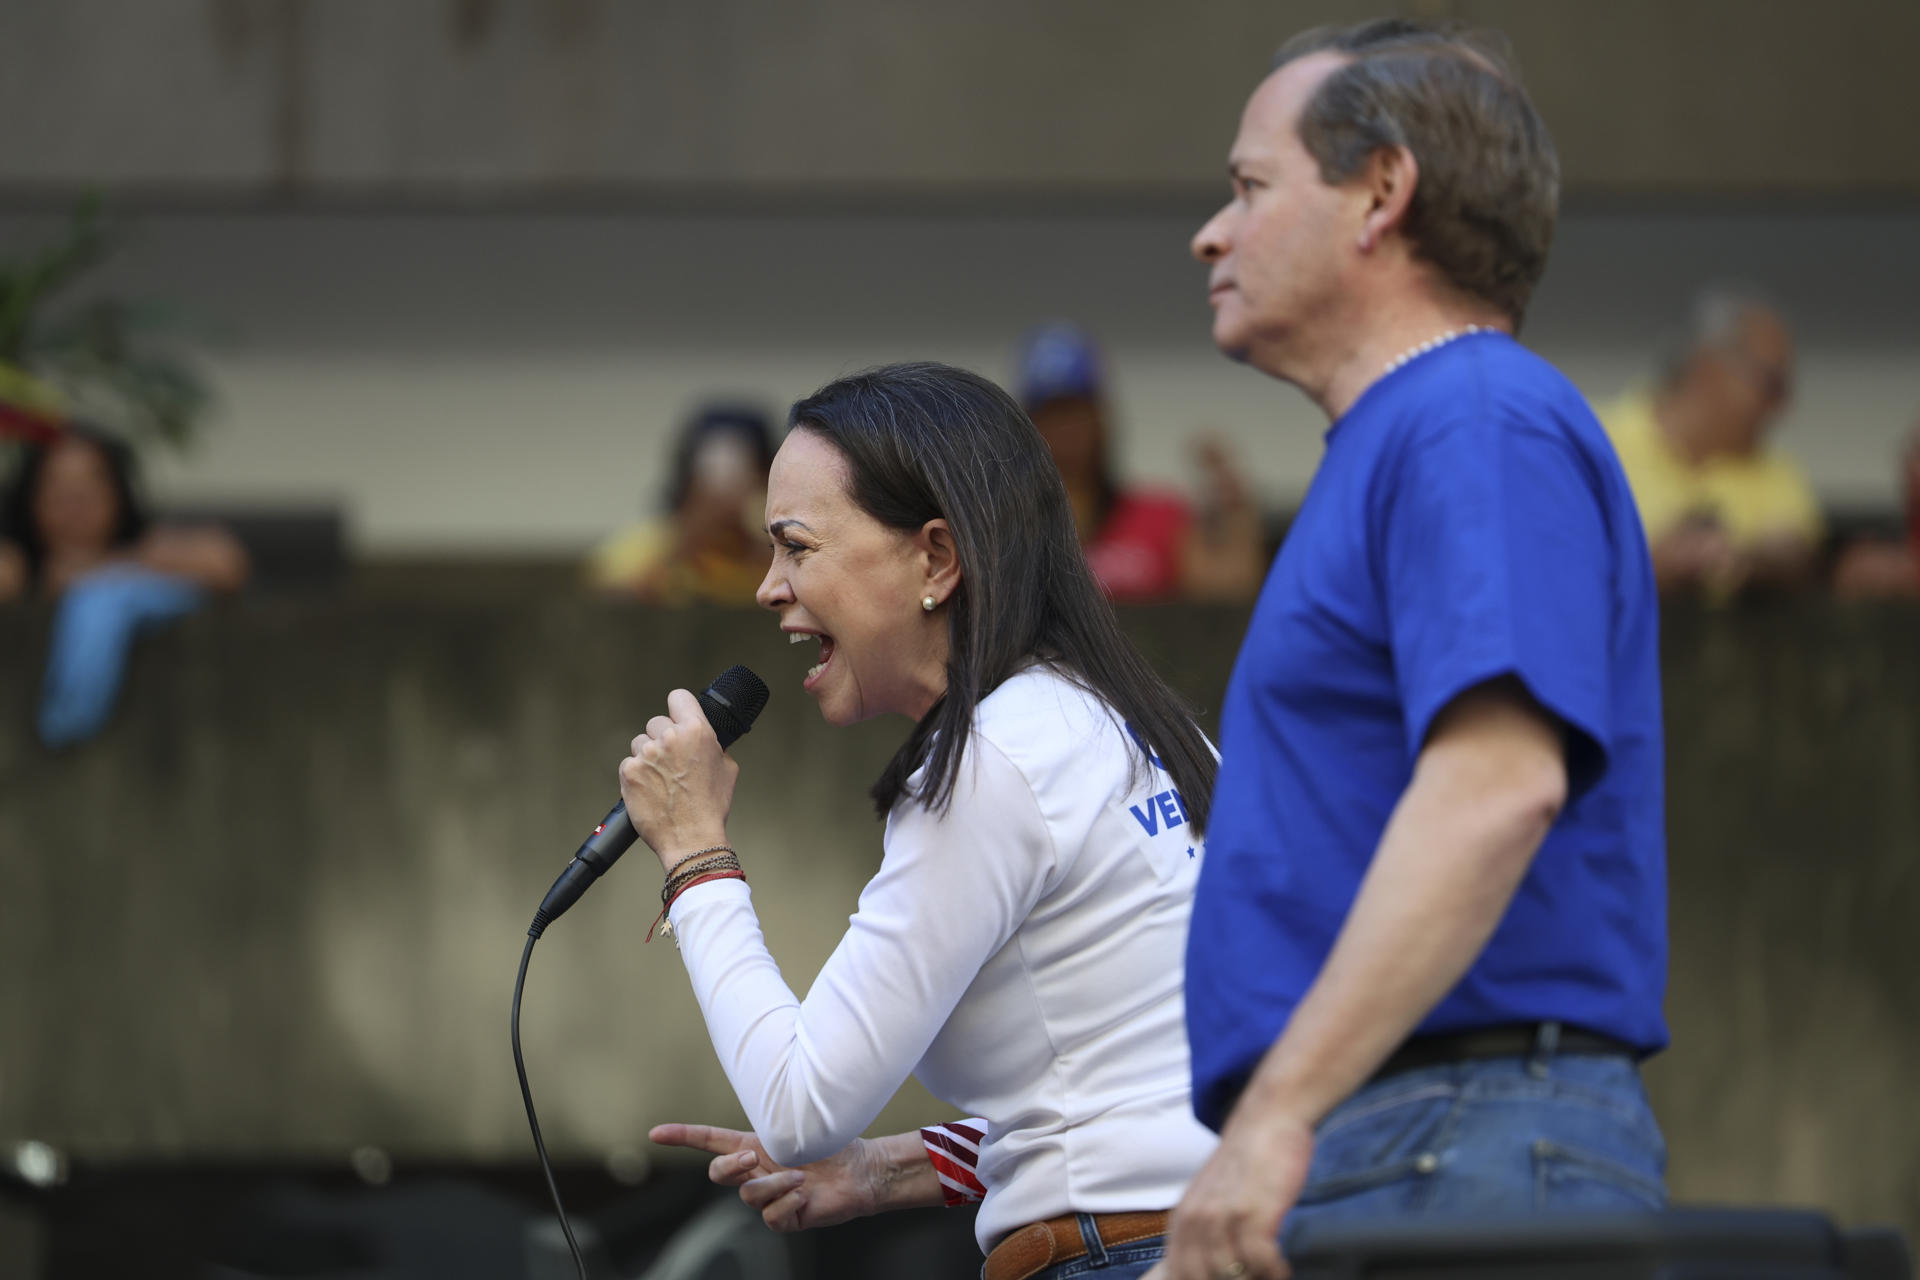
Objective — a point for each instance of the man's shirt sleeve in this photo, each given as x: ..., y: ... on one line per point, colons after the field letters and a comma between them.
x: 1495, y: 560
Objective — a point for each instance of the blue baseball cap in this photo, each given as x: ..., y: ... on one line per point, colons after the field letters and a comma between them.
x: 1058, y: 361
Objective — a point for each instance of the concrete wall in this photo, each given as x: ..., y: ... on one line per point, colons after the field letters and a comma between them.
x: 539, y: 96
x: 275, y: 910
x: 509, y: 382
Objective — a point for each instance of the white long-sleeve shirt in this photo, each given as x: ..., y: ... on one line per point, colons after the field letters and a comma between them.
x: 1021, y: 953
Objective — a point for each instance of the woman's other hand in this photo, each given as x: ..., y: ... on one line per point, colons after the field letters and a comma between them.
x: 678, y: 784
x: 841, y: 1187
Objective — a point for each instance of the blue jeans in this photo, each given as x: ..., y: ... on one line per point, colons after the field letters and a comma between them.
x: 1125, y: 1262
x: 1500, y: 1136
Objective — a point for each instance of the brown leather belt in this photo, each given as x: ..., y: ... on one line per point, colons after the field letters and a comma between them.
x: 1039, y: 1245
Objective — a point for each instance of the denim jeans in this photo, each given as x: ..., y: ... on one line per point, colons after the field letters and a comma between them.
x: 1125, y: 1262
x: 1499, y: 1136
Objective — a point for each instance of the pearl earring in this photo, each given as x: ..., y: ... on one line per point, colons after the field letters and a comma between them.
x: 927, y: 602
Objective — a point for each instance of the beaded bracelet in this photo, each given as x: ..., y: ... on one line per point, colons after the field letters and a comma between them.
x: 712, y: 848
x: 697, y: 867
x: 681, y: 867
x: 665, y: 926
x: 725, y: 867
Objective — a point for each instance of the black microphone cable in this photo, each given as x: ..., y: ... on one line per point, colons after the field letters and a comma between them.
x: 533, y: 1121
x: 731, y: 704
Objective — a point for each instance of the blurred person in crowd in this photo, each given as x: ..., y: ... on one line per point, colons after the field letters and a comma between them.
x: 1143, y: 544
x: 1722, y: 509
x: 1875, y: 567
x: 73, y: 528
x: 708, y: 546
x: 72, y: 509
x: 1019, y: 946
x: 1428, y: 946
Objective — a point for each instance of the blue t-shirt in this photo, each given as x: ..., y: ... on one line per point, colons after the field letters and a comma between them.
x: 1469, y: 521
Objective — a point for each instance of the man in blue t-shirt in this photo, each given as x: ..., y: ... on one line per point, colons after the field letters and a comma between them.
x: 1429, y: 943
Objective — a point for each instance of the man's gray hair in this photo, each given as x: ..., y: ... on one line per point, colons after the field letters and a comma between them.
x: 1716, y: 321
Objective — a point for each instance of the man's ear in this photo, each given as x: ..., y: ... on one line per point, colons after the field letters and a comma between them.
x: 1389, y: 179
x: 941, y: 556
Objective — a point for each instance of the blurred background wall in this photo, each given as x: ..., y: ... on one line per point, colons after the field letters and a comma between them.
x: 489, y: 97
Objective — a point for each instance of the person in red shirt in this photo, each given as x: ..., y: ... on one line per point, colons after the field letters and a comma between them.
x: 1142, y: 544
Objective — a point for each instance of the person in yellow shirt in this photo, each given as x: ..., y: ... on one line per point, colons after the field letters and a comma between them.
x: 709, y: 546
x: 1722, y: 509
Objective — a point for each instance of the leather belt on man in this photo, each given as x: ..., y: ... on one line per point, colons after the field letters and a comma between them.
x: 1039, y: 1245
x: 1541, y: 1040
x: 1521, y: 1040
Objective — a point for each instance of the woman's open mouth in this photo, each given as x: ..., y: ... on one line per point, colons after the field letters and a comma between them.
x: 826, y: 654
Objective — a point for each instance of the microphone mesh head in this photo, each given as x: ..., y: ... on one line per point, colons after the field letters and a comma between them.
x: 733, y: 702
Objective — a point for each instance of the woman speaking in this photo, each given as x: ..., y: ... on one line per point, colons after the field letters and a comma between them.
x: 1020, y: 949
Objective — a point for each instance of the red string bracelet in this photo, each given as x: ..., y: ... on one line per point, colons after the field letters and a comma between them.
x: 666, y: 926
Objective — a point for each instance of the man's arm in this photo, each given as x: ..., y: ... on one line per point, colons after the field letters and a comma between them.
x: 1486, y: 789
x: 1693, y: 553
x: 1224, y: 557
x: 1785, y: 554
x: 208, y: 555
x: 1784, y: 559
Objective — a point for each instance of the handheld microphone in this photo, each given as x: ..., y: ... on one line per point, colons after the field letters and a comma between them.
x: 731, y: 704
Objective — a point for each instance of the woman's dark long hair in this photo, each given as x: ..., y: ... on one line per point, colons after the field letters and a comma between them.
x: 928, y: 441
x: 17, y: 500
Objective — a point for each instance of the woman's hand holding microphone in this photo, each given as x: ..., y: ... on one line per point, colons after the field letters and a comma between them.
x: 678, y: 784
